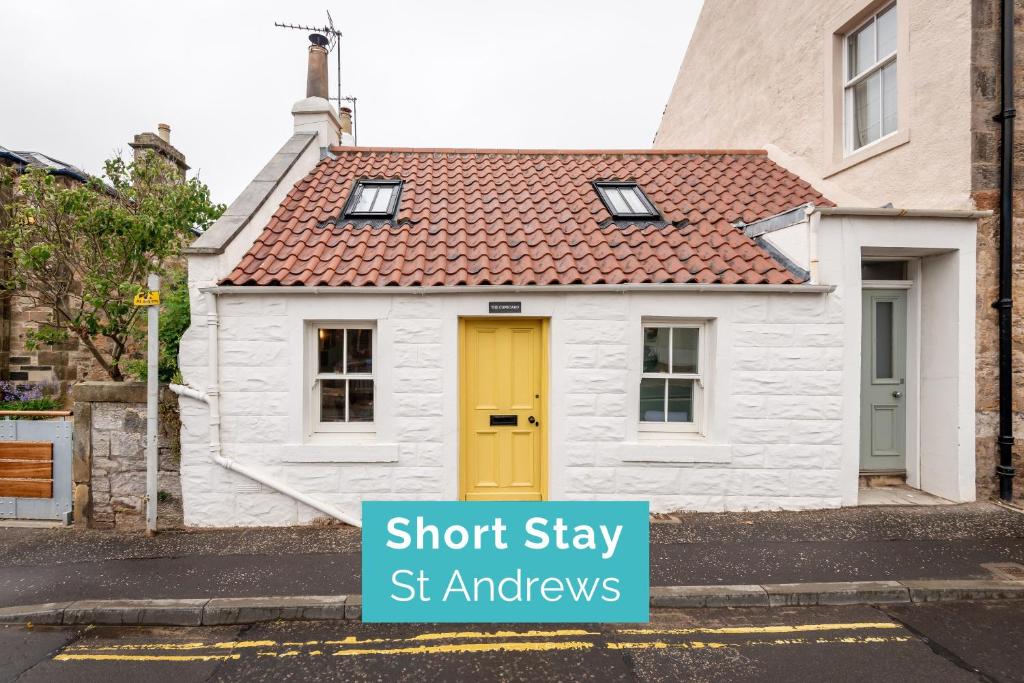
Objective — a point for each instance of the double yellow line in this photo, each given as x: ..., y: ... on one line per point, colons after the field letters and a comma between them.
x: 510, y: 641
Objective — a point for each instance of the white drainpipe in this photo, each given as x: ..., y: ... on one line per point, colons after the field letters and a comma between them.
x: 212, y: 399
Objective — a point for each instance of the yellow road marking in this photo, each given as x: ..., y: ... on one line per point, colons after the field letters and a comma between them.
x: 272, y: 648
x: 501, y: 634
x: 225, y: 645
x: 700, y: 645
x: 70, y: 656
x: 457, y: 648
x: 349, y: 640
x: 740, y: 630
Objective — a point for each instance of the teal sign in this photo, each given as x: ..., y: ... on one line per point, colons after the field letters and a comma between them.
x: 505, y: 562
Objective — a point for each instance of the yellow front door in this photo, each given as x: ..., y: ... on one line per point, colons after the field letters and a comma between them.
x: 503, y: 388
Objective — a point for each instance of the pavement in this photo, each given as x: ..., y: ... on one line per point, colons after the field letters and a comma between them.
x: 915, y: 642
x: 850, y: 544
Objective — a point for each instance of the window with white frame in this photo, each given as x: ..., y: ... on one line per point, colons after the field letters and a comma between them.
x: 342, y: 377
x: 869, y: 77
x: 671, y: 381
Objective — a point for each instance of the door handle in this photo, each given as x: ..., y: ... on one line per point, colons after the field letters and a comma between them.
x: 534, y: 421
x: 897, y: 394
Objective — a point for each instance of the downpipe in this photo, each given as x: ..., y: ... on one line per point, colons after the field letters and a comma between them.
x: 212, y: 398
x: 1004, y: 304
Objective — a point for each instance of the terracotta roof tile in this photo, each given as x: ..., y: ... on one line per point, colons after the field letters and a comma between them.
x: 522, y: 217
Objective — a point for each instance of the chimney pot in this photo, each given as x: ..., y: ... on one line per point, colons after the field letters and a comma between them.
x: 164, y: 131
x: 316, y: 71
x: 345, y: 114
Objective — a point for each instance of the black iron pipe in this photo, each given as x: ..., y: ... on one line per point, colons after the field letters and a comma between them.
x: 1005, y: 469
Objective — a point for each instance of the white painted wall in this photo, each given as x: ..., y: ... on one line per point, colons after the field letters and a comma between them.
x: 763, y: 75
x: 941, y: 344
x: 773, y: 435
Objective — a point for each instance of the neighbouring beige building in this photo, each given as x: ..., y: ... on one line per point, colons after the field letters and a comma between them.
x: 876, y: 104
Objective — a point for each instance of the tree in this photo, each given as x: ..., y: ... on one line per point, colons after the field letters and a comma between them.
x: 84, y: 250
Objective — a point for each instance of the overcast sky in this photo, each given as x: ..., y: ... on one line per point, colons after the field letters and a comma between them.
x: 80, y: 78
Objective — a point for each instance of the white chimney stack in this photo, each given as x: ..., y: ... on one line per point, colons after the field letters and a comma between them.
x: 315, y: 114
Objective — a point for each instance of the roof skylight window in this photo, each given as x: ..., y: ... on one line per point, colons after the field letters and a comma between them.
x: 373, y: 199
x: 626, y: 200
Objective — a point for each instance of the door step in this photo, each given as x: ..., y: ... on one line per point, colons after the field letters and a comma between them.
x: 882, y: 479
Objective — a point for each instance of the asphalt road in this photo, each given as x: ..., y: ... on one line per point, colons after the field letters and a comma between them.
x: 932, y: 642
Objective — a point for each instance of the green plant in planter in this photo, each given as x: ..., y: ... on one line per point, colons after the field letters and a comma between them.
x: 23, y: 396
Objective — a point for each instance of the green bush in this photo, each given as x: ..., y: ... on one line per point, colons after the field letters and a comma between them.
x: 174, y: 320
x: 45, y: 403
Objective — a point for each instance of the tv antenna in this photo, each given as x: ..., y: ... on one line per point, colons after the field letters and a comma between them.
x: 333, y: 38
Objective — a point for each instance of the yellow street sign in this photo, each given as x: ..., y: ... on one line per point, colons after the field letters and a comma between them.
x: 147, y: 299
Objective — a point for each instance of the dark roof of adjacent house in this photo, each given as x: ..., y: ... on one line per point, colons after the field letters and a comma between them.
x: 512, y: 217
x: 40, y: 160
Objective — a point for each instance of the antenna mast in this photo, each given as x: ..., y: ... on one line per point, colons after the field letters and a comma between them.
x: 333, y: 36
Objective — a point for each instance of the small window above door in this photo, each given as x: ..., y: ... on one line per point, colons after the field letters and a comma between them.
x: 883, y: 270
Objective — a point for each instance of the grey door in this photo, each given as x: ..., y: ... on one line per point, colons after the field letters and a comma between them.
x: 883, y: 403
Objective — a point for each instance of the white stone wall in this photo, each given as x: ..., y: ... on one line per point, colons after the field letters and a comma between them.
x: 771, y: 439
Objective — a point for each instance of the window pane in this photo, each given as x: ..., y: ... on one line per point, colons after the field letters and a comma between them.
x: 685, y: 342
x: 360, y: 351
x: 889, y: 105
x: 360, y: 400
x: 364, y: 201
x: 656, y: 341
x: 883, y: 270
x: 680, y: 400
x: 886, y: 28
x: 860, y: 50
x: 883, y: 339
x: 652, y: 400
x: 866, y: 111
x: 330, y: 345
x: 632, y: 197
x: 619, y: 204
x: 380, y: 203
x: 332, y: 400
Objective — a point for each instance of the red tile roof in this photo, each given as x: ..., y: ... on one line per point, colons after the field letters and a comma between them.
x: 521, y: 217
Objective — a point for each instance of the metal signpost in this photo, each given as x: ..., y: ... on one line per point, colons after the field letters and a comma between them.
x: 151, y: 300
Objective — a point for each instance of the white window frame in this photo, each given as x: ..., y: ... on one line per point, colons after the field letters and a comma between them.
x: 849, y: 120
x: 700, y: 389
x: 314, y: 377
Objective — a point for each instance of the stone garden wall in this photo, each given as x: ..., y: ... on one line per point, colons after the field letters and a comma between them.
x: 110, y: 456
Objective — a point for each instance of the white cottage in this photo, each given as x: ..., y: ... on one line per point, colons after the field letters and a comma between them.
x: 699, y: 329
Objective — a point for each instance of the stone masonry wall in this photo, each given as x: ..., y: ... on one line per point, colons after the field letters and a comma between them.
x: 985, y: 77
x: 782, y: 426
x: 110, y: 456
x: 776, y: 385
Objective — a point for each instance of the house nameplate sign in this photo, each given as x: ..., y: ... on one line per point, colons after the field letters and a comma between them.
x: 505, y: 307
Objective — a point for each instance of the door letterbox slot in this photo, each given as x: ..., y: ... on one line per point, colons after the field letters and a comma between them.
x: 504, y: 420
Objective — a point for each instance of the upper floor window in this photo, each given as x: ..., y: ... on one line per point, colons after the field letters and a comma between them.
x: 870, y: 88
x: 373, y: 199
x: 672, y: 377
x: 626, y: 200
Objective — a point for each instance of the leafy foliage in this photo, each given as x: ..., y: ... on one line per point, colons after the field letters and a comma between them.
x: 174, y: 320
x: 84, y: 250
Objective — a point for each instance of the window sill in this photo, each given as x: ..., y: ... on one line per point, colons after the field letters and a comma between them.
x: 675, y: 448
x: 668, y: 431
x: 340, y: 451
x: 880, y: 146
